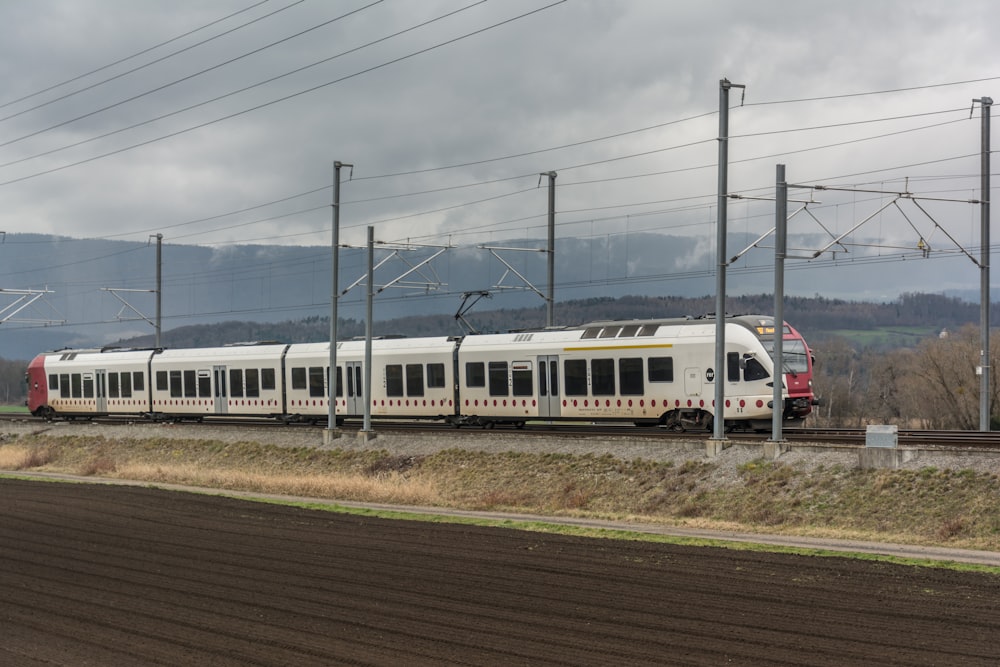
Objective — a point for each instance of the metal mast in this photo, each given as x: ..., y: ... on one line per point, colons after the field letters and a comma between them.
x: 331, y: 424
x: 550, y: 300
x: 984, y: 267
x: 719, y: 431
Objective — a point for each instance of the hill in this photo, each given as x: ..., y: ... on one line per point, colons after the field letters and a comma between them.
x: 890, y: 325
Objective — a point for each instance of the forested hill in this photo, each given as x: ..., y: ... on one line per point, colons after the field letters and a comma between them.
x: 817, y: 318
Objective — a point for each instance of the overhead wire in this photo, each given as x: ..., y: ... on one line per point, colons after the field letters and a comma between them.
x: 269, y: 103
x: 149, y: 49
x: 160, y: 88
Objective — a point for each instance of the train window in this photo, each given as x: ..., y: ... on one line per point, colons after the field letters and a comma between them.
x: 630, y: 376
x: 236, y: 382
x: 76, y: 386
x: 754, y: 371
x: 435, y: 376
x: 602, y: 377
x: 648, y: 330
x: 610, y: 332
x: 299, y: 378
x: 394, y: 380
x: 521, y: 378
x: 317, y: 377
x: 53, y: 382
x: 204, y: 383
x: 138, y: 382
x: 733, y: 366
x: 592, y: 332
x: 161, y: 381
x: 629, y: 331
x: 64, y: 385
x: 475, y: 374
x: 414, y: 379
x: 661, y: 369
x: 498, y: 378
x: 88, y: 386
x: 190, y: 385
x: 112, y: 385
x: 253, y: 383
x: 340, y: 381
x: 267, y: 379
x: 176, y: 388
x: 575, y: 374
x: 126, y: 385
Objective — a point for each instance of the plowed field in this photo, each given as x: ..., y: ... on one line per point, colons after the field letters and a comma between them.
x: 107, y: 576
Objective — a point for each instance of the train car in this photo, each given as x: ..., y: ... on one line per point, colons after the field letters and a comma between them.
x: 73, y: 384
x: 651, y: 372
x: 412, y: 378
x: 236, y: 380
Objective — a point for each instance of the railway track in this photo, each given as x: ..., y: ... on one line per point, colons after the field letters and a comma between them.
x: 845, y: 437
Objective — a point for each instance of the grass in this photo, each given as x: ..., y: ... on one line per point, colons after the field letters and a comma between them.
x: 957, y: 508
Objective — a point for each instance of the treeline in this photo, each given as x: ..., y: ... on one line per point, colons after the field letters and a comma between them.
x: 815, y: 317
x: 935, y: 385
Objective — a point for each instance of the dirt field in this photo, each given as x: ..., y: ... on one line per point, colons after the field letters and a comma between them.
x: 110, y: 575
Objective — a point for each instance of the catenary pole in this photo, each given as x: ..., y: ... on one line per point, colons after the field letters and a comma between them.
x: 159, y: 288
x: 780, y: 242
x: 334, y: 298
x: 984, y: 269
x: 719, y: 430
x: 366, y: 390
x: 551, y: 299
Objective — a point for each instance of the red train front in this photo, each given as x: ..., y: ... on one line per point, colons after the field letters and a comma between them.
x: 38, y: 395
x: 797, y: 360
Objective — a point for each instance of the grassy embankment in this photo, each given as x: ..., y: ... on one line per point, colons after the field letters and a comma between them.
x: 959, y: 508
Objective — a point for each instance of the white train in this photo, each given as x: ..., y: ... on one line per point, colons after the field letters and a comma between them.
x: 653, y: 372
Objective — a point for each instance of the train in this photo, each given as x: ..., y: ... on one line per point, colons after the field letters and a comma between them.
x: 653, y: 372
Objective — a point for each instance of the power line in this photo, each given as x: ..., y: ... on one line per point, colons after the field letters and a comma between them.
x: 264, y: 105
x: 127, y: 58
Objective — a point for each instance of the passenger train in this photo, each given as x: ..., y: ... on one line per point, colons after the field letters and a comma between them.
x: 646, y: 372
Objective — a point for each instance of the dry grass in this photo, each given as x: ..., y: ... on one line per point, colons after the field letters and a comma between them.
x: 20, y: 457
x: 386, y: 488
x: 928, y: 506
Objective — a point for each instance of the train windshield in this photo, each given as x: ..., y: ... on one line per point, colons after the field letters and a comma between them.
x: 793, y: 355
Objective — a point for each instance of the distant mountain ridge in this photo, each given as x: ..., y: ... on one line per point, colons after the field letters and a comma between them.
x: 815, y: 317
x: 610, y: 276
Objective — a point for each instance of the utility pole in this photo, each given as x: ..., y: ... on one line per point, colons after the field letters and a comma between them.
x: 550, y: 300
x: 719, y: 430
x: 780, y: 243
x: 984, y: 266
x: 366, y: 428
x: 331, y: 424
x: 159, y: 289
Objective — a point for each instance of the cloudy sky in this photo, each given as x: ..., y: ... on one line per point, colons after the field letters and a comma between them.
x: 217, y: 123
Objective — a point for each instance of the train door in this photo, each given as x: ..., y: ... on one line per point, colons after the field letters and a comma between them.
x: 100, y: 390
x: 219, y: 393
x: 692, y: 381
x: 549, y: 402
x: 355, y: 397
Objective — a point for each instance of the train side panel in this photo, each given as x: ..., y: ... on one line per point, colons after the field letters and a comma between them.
x: 412, y: 378
x: 240, y: 380
x: 645, y: 374
x: 89, y: 383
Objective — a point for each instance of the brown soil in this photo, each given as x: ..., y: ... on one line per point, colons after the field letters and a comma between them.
x: 111, y: 575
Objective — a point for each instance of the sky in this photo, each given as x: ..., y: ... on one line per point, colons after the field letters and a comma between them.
x: 218, y: 123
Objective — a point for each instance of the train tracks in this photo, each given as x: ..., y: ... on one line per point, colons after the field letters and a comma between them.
x: 843, y: 437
